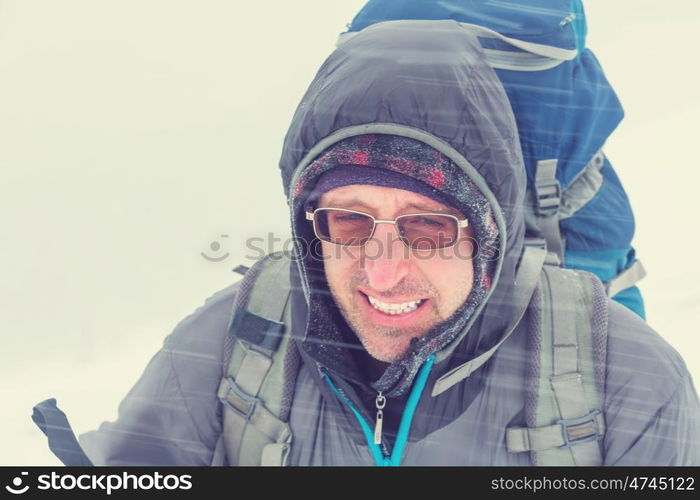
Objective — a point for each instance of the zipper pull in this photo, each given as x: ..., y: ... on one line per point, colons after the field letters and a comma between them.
x: 380, y: 403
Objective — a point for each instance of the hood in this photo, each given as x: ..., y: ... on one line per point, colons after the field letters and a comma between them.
x: 427, y: 81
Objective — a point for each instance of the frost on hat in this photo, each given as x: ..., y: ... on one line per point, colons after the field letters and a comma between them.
x: 346, y: 175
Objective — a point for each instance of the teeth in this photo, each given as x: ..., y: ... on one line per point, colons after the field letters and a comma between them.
x: 403, y: 308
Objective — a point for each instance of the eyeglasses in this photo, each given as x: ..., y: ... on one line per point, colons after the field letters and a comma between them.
x: 423, y: 231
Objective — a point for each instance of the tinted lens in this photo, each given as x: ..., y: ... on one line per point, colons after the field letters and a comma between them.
x: 428, y: 231
x: 342, y: 227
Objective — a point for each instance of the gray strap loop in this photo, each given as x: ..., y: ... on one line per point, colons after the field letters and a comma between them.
x: 249, y: 408
x: 526, y: 279
x: 548, y: 200
x: 236, y: 399
x: 564, y: 433
x: 235, y: 421
x: 627, y: 278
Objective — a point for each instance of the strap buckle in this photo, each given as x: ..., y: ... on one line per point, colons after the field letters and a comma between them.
x: 548, y: 195
x: 237, y: 400
x: 580, y: 430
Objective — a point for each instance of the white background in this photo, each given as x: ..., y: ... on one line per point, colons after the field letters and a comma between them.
x: 133, y: 134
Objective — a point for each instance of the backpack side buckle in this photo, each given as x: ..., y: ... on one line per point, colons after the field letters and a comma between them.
x: 237, y: 400
x: 583, y: 429
x: 548, y: 196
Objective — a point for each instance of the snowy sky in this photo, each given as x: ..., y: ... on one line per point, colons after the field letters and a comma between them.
x: 134, y: 134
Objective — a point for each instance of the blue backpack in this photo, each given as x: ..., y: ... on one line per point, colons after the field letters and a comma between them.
x: 565, y: 110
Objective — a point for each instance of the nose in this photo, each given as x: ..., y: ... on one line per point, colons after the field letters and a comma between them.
x: 385, y: 258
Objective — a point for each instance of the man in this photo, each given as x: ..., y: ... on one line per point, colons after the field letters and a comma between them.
x: 414, y: 303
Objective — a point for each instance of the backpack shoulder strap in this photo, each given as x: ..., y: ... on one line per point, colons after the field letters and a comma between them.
x: 547, y: 204
x: 568, y: 340
x: 550, y: 203
x: 257, y: 387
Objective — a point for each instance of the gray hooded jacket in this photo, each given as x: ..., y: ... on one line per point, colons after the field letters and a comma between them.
x: 426, y: 80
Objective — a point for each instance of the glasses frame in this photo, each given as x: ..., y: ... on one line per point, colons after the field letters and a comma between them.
x: 461, y: 223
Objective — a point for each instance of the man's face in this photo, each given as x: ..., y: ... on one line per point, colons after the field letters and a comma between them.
x: 370, y: 283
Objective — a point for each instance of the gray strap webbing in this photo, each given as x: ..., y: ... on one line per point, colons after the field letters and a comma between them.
x: 519, y: 61
x: 233, y: 426
x: 251, y: 393
x: 274, y: 454
x: 252, y: 410
x: 571, y: 310
x: 580, y: 190
x: 240, y: 407
x: 526, y: 279
x: 548, y: 51
x: 583, y: 187
x: 627, y: 278
x: 568, y: 391
x: 548, y: 201
x: 269, y: 296
x: 252, y: 371
x: 570, y: 431
x: 566, y: 300
x: 551, y: 436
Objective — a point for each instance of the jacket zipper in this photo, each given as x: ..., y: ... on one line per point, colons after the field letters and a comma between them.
x: 374, y: 439
x: 380, y: 403
x: 379, y: 453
